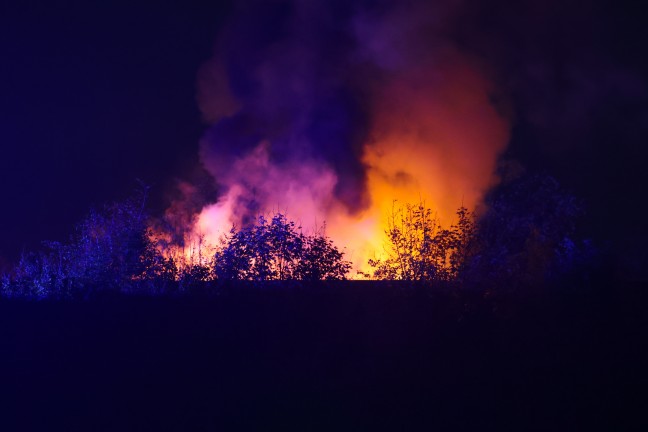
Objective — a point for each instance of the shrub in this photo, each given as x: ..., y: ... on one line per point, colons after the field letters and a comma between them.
x: 418, y: 248
x: 275, y: 250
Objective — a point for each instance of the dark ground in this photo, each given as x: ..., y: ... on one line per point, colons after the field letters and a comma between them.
x: 357, y: 356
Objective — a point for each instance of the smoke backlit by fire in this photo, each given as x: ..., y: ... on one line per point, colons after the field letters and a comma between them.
x: 336, y: 113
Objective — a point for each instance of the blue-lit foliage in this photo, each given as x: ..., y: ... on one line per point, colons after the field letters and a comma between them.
x: 528, y: 233
x: 110, y: 250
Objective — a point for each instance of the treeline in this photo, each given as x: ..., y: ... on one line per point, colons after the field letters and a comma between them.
x: 527, y: 235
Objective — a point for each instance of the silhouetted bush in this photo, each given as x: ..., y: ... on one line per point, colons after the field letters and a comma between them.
x: 319, y: 259
x: 110, y: 250
x: 275, y: 250
x: 418, y: 248
x: 528, y: 235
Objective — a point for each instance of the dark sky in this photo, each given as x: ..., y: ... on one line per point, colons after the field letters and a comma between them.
x: 96, y: 94
x: 577, y: 77
x: 93, y: 95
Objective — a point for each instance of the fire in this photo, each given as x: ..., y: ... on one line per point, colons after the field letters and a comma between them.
x: 428, y: 132
x: 435, y: 142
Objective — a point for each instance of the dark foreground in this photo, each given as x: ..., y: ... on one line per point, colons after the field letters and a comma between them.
x: 348, y: 357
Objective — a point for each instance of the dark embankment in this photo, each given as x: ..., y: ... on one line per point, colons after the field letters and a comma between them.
x: 351, y: 356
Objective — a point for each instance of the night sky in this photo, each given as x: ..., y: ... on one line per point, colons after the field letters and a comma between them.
x: 93, y: 96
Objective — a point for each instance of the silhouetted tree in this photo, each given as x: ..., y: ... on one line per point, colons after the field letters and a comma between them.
x: 417, y: 248
x: 263, y: 251
x: 319, y: 259
x: 410, y: 231
x: 527, y: 233
x: 111, y: 249
x: 274, y: 250
x: 464, y: 243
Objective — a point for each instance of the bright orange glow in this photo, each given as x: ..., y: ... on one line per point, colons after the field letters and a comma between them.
x: 434, y: 140
x: 432, y: 131
x: 435, y: 137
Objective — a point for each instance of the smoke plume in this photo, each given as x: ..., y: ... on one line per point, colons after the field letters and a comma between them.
x: 329, y: 111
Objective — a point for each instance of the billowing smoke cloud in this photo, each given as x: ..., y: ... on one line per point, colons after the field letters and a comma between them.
x: 291, y: 68
x: 331, y: 110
